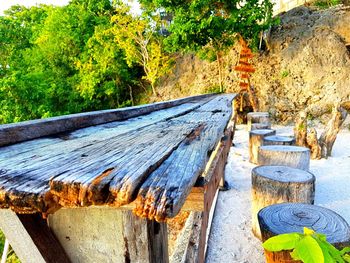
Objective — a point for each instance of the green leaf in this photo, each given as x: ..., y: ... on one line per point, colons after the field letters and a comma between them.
x: 327, y: 257
x: 309, y: 251
x: 346, y: 258
x: 282, y: 242
x: 334, y: 253
x: 308, y: 231
x: 345, y: 250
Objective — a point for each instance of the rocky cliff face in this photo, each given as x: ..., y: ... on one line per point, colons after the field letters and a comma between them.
x: 306, y: 65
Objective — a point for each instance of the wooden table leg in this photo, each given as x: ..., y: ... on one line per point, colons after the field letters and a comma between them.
x: 104, y: 234
x: 31, y: 238
x: 145, y: 240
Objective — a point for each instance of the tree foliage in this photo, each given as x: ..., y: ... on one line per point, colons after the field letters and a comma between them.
x: 139, y: 38
x: 204, y: 25
x: 60, y: 60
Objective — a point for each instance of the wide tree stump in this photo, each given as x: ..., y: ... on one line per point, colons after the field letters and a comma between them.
x: 292, y: 217
x: 279, y: 184
x: 256, y: 139
x: 258, y: 120
x: 279, y: 140
x: 292, y: 156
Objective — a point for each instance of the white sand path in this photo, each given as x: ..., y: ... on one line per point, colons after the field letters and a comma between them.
x: 231, y: 239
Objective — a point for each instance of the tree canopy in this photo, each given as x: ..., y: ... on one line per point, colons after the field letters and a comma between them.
x: 201, y: 24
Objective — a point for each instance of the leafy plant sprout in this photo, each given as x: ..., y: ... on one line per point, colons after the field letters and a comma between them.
x: 309, y: 247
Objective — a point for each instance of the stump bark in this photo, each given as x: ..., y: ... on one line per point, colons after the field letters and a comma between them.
x: 292, y: 156
x: 279, y: 184
x: 292, y: 217
x: 279, y: 140
x: 256, y: 139
x: 258, y: 120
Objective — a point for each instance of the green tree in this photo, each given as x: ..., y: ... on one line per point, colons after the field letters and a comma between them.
x: 142, y: 44
x: 60, y: 60
x: 209, y: 27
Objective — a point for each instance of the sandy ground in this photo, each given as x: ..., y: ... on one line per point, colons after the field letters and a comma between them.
x: 231, y: 239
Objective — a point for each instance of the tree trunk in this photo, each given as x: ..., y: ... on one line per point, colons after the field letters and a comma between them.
x: 313, y: 144
x: 218, y: 58
x: 329, y: 135
x: 131, y: 96
x: 256, y: 138
x: 153, y: 89
x: 252, y: 97
x: 279, y: 184
x: 300, y: 129
x: 292, y: 156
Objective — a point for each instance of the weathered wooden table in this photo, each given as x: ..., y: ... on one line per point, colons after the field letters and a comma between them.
x: 99, y: 186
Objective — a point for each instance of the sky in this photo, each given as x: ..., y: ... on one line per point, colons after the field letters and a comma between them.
x: 6, y: 4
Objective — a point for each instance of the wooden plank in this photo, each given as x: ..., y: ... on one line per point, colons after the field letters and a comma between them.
x: 165, y: 190
x: 31, y: 238
x: 95, y: 133
x: 28, y: 130
x: 145, y: 240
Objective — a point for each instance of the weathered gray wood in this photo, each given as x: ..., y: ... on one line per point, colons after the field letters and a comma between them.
x: 103, y: 234
x: 19, y: 238
x: 187, y: 243
x: 279, y: 184
x: 279, y: 140
x: 258, y: 120
x: 165, y: 190
x: 292, y: 156
x: 146, y: 241
x: 293, y: 217
x: 108, y: 163
x: 256, y: 139
x: 18, y: 132
x: 31, y: 238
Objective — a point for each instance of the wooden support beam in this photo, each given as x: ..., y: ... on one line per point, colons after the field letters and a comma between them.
x: 105, y: 234
x: 31, y: 238
x: 212, y: 180
x: 145, y: 240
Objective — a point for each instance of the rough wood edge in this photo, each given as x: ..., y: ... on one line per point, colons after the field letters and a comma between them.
x: 33, y: 129
x: 194, y: 201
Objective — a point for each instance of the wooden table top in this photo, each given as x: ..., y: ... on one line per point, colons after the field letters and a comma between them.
x: 152, y: 154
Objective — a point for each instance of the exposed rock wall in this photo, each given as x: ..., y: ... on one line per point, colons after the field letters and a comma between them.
x: 307, y: 65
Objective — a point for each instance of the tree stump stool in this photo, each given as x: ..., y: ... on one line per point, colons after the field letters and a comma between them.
x: 279, y: 184
x: 279, y: 140
x: 292, y: 217
x: 256, y: 139
x: 292, y: 156
x: 258, y: 120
